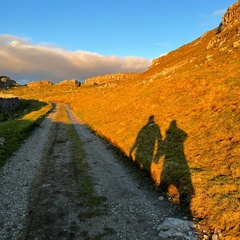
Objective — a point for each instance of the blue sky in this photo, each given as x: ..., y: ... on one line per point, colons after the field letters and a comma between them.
x: 124, y: 31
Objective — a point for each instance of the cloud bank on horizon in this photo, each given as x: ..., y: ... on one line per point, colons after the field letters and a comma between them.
x: 23, y: 61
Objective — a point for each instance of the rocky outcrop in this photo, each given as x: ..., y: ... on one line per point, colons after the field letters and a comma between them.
x: 9, y: 104
x: 6, y: 82
x: 231, y: 17
x: 228, y: 29
x: 104, y: 79
x: 72, y: 82
x: 40, y: 84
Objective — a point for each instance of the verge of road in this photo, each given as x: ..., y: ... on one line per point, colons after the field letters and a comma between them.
x: 16, y: 178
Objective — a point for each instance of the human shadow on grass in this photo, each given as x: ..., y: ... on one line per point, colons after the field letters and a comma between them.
x: 175, y: 169
x: 149, y: 147
x: 149, y: 138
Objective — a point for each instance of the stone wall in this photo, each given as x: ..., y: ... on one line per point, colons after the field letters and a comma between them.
x: 9, y: 104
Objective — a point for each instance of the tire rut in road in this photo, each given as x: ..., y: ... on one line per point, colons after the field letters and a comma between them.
x: 53, y: 209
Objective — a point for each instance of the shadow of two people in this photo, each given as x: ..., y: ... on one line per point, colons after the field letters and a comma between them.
x: 149, y: 146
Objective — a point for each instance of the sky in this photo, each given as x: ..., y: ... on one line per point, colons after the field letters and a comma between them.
x: 77, y: 39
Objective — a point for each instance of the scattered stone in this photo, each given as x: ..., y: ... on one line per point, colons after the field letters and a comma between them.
x: 215, y: 237
x: 206, y: 237
x: 2, y: 140
x: 236, y: 44
x: 177, y: 228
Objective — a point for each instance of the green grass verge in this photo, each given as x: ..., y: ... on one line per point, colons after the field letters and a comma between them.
x: 16, y: 126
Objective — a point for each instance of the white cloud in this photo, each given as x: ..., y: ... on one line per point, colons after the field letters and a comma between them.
x: 218, y: 12
x: 164, y: 44
x: 22, y: 60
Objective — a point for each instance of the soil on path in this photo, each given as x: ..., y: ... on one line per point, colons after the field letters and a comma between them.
x: 127, y: 207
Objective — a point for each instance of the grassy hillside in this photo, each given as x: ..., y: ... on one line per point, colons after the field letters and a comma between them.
x: 180, y: 120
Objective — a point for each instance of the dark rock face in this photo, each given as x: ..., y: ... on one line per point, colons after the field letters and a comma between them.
x: 6, y: 82
x: 9, y: 104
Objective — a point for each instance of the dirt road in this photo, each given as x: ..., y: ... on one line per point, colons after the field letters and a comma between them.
x: 80, y: 189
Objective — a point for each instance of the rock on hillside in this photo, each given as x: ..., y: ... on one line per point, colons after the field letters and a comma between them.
x: 97, y: 80
x: 72, y: 82
x: 6, y: 82
x: 228, y: 30
x: 231, y: 17
x: 40, y: 84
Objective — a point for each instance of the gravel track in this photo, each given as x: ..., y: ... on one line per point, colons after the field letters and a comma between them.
x: 16, y: 178
x: 134, y: 211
